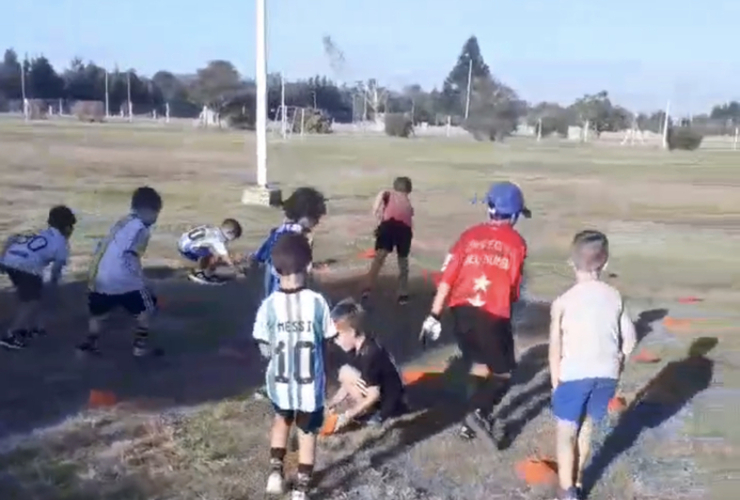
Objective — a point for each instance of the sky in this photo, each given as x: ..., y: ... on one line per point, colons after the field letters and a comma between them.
x: 545, y: 49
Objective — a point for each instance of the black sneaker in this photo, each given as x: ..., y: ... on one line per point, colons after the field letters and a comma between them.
x: 403, y: 300
x: 89, y: 347
x: 142, y: 349
x: 466, y: 432
x: 14, y: 341
x: 204, y: 279
x: 481, y: 422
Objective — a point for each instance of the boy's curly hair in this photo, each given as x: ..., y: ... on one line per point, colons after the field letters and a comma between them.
x: 305, y: 203
x: 402, y: 184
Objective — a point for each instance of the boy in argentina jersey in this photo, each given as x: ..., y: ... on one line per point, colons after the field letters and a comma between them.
x: 207, y: 247
x: 290, y: 329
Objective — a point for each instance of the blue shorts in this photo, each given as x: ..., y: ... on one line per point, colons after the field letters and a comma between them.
x: 575, y: 399
x: 195, y: 254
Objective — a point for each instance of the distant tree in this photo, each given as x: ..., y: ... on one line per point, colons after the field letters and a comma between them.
x: 217, y: 81
x: 43, y: 80
x: 455, y: 86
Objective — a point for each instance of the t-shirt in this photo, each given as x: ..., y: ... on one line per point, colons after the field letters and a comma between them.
x: 210, y: 237
x: 262, y: 255
x: 484, y: 268
x: 393, y: 205
x: 294, y: 325
x: 33, y: 252
x: 378, y: 369
x: 596, y: 330
x: 116, y: 265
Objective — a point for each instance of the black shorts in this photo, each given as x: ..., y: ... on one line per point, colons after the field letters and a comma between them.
x: 393, y: 235
x: 484, y: 339
x: 28, y: 287
x: 135, y: 303
x: 307, y: 422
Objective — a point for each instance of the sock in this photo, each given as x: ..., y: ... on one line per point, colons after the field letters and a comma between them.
x: 277, y: 456
x: 303, y: 479
x: 403, y: 276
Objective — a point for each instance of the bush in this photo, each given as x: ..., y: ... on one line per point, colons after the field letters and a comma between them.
x: 398, y: 125
x: 683, y: 138
x: 315, y: 121
x: 489, y: 128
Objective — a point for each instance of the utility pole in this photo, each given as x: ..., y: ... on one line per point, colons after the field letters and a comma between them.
x: 23, y: 87
x: 128, y: 91
x: 107, y: 96
x: 470, y: 81
x: 283, y: 122
x: 665, y: 125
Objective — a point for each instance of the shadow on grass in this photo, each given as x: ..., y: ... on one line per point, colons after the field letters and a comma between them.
x: 660, y: 399
x: 643, y: 324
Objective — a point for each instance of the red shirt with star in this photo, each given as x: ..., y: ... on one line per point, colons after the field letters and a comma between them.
x: 484, y: 268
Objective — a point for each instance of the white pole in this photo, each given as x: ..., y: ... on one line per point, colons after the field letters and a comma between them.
x: 539, y: 130
x: 283, y: 121
x: 303, y: 120
x: 470, y: 81
x: 261, y: 81
x: 167, y: 112
x: 665, y: 125
x: 734, y: 145
x: 107, y: 98
x: 23, y: 88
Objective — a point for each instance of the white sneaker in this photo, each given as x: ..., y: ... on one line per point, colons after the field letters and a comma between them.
x: 298, y: 495
x: 275, y: 484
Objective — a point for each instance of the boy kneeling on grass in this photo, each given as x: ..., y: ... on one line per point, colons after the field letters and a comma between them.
x: 370, y: 378
x: 591, y: 334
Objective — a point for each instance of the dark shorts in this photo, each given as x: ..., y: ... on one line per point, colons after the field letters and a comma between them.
x: 575, y: 399
x: 309, y: 423
x: 135, y: 303
x: 28, y: 287
x: 484, y: 339
x: 393, y: 235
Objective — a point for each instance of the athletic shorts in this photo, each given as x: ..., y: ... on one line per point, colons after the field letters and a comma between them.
x: 484, y: 339
x: 195, y: 254
x: 28, y: 286
x: 575, y: 399
x: 308, y: 422
x: 393, y: 235
x: 134, y: 303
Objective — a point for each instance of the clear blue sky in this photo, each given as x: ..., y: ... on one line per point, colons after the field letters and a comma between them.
x: 546, y: 49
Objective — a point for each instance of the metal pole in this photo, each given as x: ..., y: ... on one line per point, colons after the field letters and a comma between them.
x: 107, y: 98
x: 130, y: 105
x: 470, y: 81
x: 261, y: 81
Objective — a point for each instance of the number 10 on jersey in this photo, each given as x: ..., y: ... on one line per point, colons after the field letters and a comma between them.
x: 302, y: 357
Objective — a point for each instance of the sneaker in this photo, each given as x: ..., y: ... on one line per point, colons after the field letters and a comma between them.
x: 142, y: 349
x: 261, y: 394
x: 569, y: 494
x: 89, y: 347
x: 480, y: 422
x: 275, y: 484
x: 13, y: 341
x: 466, y: 432
x: 204, y: 279
x: 298, y: 495
x: 403, y: 300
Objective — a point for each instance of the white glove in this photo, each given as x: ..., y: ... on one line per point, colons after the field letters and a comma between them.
x: 431, y: 329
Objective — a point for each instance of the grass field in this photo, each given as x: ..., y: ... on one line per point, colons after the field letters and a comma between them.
x: 186, y: 427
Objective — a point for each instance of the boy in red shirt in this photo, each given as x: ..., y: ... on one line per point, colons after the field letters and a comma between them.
x: 481, y: 277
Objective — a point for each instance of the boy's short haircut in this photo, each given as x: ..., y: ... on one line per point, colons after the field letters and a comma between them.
x: 291, y: 254
x: 305, y: 203
x: 233, y: 226
x: 590, y: 250
x: 402, y: 184
x: 146, y: 197
x: 349, y: 310
x: 61, y: 218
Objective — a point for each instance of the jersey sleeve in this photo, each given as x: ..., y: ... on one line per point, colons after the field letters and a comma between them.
x: 329, y: 328
x: 260, y: 331
x: 219, y: 248
x: 453, y: 262
x: 139, y: 242
x: 61, y: 256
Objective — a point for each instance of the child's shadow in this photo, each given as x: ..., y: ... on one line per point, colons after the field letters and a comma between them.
x: 661, y: 398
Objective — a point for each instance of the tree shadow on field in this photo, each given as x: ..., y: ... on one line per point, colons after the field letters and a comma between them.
x: 659, y: 400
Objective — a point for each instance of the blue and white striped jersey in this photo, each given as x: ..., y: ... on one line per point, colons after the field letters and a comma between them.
x: 262, y: 255
x: 294, y: 325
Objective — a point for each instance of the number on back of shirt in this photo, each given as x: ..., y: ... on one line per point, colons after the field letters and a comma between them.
x: 197, y: 234
x: 302, y: 357
x: 29, y: 242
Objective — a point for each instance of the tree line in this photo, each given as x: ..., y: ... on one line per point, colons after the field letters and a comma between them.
x: 483, y: 103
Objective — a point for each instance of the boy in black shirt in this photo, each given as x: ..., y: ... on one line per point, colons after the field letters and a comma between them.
x: 370, y: 377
